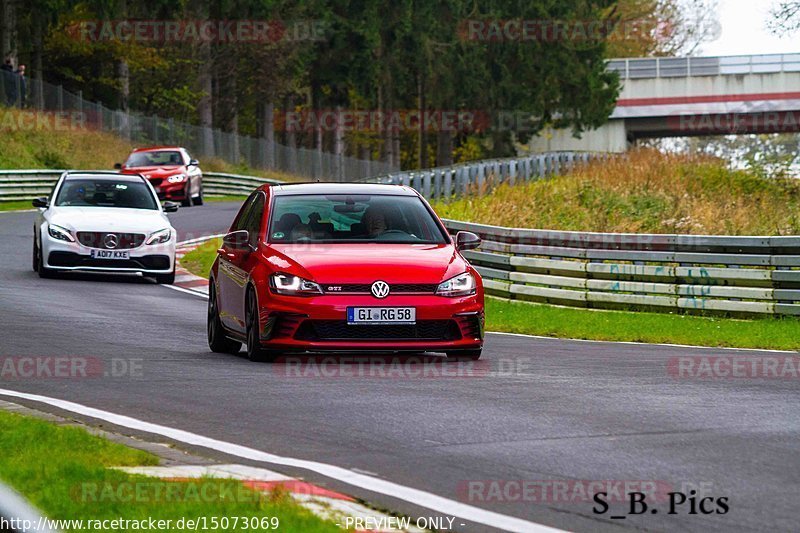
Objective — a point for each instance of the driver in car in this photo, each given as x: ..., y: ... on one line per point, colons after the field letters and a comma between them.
x: 76, y: 195
x: 374, y: 221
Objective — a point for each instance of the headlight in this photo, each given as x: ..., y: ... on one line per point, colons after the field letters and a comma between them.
x: 177, y: 178
x: 461, y: 285
x: 160, y: 236
x: 293, y: 285
x: 62, y: 234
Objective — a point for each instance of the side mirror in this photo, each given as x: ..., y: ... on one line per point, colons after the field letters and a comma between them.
x: 466, y: 240
x: 170, y: 207
x: 40, y: 202
x: 118, y: 166
x: 194, y: 163
x: 238, y: 240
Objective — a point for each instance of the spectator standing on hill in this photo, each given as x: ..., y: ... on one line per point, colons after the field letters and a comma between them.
x: 22, y: 86
x: 9, y: 81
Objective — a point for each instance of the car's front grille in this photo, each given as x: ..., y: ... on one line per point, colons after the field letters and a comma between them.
x: 332, y: 330
x: 71, y: 259
x: 364, y: 288
x: 101, y: 239
x: 155, y: 182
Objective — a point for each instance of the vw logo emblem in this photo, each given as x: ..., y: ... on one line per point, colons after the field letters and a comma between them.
x: 111, y: 241
x: 380, y: 289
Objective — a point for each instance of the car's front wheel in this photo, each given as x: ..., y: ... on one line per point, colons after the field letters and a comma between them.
x: 217, y: 340
x: 165, y: 279
x: 199, y: 199
x: 35, y: 255
x: 465, y: 355
x: 38, y: 261
x: 188, y: 201
x: 255, y: 352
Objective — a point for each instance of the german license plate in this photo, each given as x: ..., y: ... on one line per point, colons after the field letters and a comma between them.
x: 381, y: 315
x: 110, y: 254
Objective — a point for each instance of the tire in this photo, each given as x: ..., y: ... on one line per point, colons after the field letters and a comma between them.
x: 165, y: 279
x: 199, y: 199
x: 217, y: 340
x: 188, y: 200
x: 255, y: 352
x: 465, y: 355
x: 35, y: 254
x: 43, y: 271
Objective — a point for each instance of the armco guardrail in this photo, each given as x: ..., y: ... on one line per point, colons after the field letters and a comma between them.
x: 28, y: 184
x: 610, y: 270
x: 477, y: 176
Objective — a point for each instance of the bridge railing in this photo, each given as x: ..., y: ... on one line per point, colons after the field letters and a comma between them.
x: 680, y: 273
x: 677, y: 67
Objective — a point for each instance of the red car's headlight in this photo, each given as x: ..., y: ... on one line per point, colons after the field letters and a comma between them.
x: 293, y: 285
x: 461, y: 285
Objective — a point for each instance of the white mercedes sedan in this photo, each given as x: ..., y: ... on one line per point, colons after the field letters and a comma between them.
x: 107, y: 222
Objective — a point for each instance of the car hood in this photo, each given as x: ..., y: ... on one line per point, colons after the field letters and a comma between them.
x: 155, y: 172
x: 367, y: 262
x: 108, y: 219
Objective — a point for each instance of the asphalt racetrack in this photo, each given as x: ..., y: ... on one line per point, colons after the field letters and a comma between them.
x: 532, y: 412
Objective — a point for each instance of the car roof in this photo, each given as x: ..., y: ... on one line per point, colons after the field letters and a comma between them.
x: 156, y: 148
x: 100, y: 175
x: 288, y: 189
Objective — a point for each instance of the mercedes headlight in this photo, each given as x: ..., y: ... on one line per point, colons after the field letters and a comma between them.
x: 461, y: 285
x: 159, y: 237
x: 62, y: 234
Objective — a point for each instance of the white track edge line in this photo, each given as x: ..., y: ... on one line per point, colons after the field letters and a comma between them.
x: 631, y: 343
x: 415, y: 496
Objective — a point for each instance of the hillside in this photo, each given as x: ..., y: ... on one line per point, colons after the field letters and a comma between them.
x: 37, y: 141
x: 647, y: 192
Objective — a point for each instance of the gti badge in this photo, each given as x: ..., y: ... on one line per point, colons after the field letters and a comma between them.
x: 111, y: 241
x: 380, y: 289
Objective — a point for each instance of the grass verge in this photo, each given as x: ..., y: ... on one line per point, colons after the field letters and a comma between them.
x: 15, y: 205
x: 199, y: 260
x: 627, y: 326
x: 64, y: 472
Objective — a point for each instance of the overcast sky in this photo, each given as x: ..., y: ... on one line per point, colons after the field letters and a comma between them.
x: 744, y: 31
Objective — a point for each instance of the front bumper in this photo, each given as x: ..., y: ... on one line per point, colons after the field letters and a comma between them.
x: 147, y: 259
x: 169, y: 191
x: 320, y: 324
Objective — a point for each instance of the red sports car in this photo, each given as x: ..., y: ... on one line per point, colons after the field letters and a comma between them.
x: 343, y: 267
x: 171, y: 171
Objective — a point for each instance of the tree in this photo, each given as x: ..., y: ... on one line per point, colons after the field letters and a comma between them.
x: 785, y: 18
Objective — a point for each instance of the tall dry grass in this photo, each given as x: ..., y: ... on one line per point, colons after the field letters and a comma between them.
x: 643, y: 191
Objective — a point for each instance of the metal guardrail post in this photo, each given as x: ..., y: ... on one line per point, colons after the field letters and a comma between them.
x: 448, y: 184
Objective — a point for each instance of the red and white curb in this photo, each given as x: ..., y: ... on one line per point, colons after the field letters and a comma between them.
x: 323, y: 502
x: 185, y: 279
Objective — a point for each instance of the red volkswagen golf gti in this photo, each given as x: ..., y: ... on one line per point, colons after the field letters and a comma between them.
x: 343, y: 267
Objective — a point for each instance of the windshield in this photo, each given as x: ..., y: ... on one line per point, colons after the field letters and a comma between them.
x: 87, y: 192
x: 353, y: 218
x: 153, y: 159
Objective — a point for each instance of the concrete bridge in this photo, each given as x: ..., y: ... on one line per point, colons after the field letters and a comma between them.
x: 687, y: 96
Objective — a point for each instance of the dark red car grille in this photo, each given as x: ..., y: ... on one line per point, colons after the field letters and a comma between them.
x: 97, y: 239
x: 332, y: 330
x: 364, y: 288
